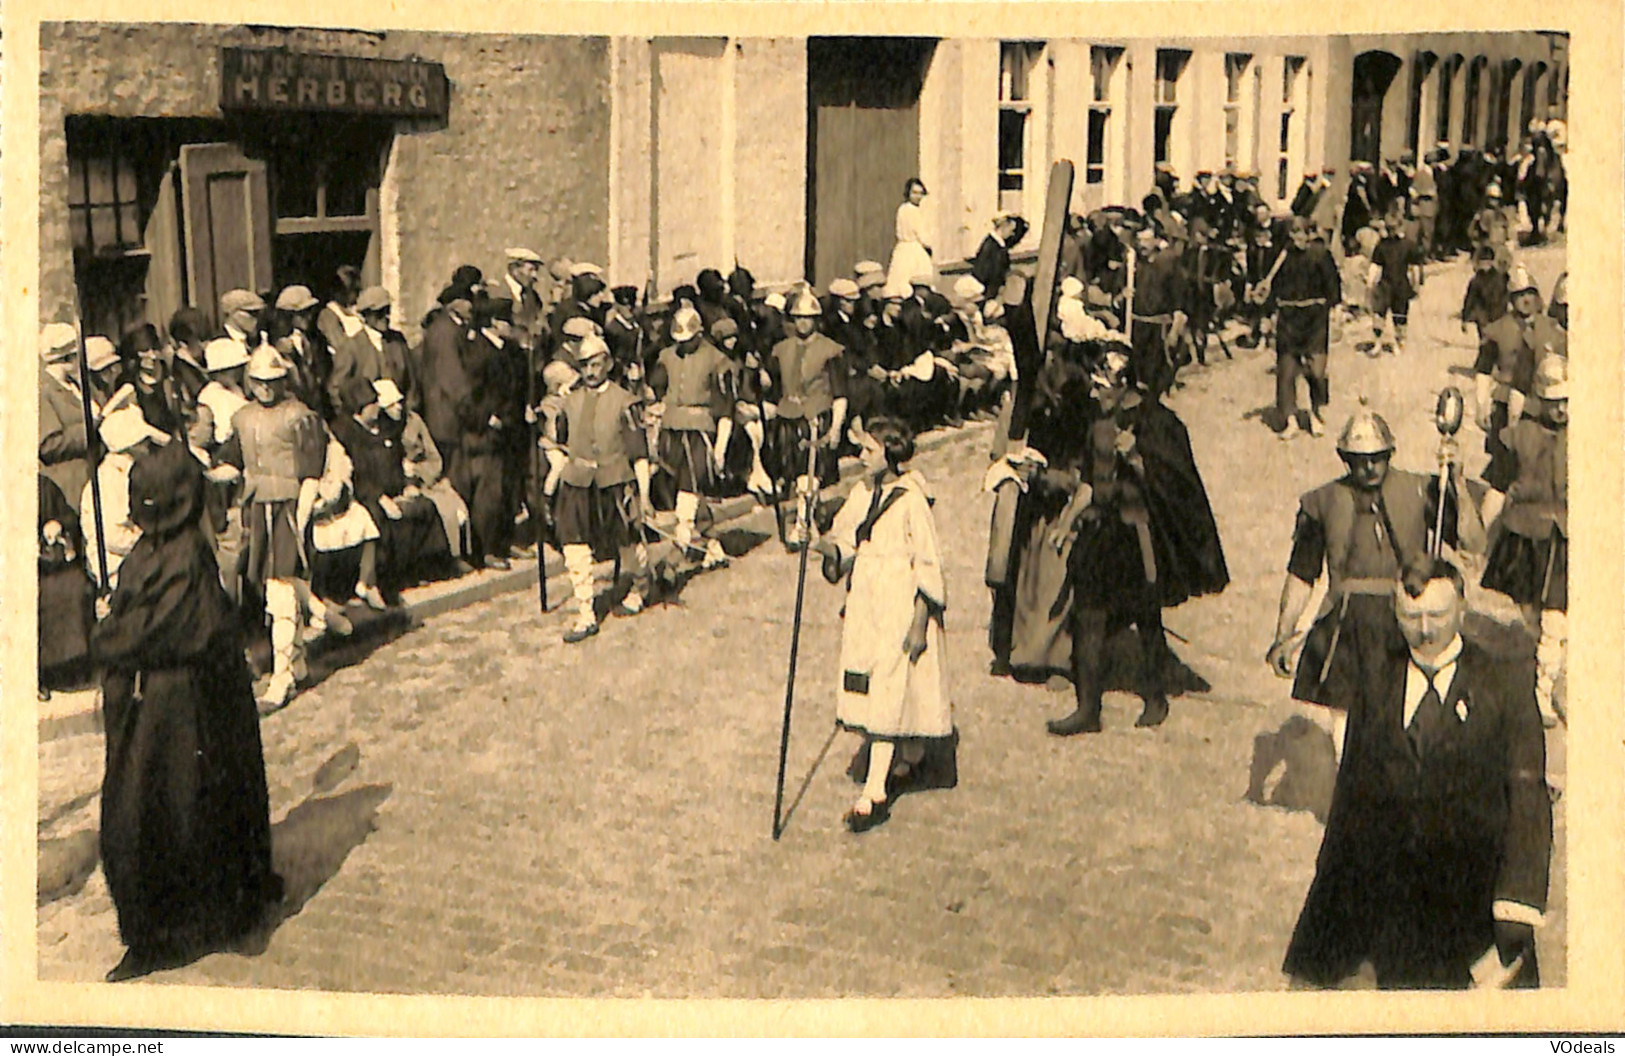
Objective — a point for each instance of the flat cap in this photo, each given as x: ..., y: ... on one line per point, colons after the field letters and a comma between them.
x: 295, y: 299
x: 520, y: 254
x: 240, y: 301
x: 99, y: 353
x: 372, y: 299
x: 845, y: 288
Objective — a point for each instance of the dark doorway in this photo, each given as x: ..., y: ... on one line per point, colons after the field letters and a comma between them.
x: 1373, y: 72
x: 863, y: 143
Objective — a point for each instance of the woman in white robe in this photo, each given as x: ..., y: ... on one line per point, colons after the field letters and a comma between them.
x: 911, y: 256
x: 892, y: 686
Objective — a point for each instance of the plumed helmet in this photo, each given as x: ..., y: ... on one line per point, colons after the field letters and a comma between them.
x: 1365, y: 434
x: 1552, y: 378
x: 685, y: 324
x: 805, y: 304
x: 222, y: 354
x: 266, y: 364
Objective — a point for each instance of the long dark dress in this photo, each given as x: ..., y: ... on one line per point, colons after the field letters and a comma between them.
x: 185, y: 828
x: 65, y: 590
x: 415, y: 545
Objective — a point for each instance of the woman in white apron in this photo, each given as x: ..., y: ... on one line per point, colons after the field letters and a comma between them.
x: 912, y: 254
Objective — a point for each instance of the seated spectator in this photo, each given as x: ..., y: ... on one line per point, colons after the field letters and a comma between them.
x: 425, y: 470
x: 412, y: 542
x: 345, y: 539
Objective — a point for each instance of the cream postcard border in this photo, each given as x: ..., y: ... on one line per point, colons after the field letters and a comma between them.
x: 1594, y: 999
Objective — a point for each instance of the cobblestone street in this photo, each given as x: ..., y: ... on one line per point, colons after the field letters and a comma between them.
x: 476, y: 808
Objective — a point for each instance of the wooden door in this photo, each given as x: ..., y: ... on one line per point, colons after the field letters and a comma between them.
x: 227, y: 203
x: 863, y: 134
x: 165, y: 283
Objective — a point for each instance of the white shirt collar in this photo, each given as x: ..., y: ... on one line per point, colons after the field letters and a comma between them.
x: 236, y: 334
x: 516, y: 288
x: 375, y: 336
x: 1416, y: 680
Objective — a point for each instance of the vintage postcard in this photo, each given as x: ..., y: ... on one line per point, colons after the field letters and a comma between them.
x: 1042, y: 518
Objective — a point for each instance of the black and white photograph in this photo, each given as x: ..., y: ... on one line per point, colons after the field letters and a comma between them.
x: 901, y: 515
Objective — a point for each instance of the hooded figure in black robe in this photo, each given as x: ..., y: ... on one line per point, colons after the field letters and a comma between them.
x: 1145, y: 540
x: 185, y: 826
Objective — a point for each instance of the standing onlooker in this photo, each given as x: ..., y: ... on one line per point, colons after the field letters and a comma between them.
x: 912, y: 254
x: 127, y: 437
x: 64, y: 590
x: 63, y: 442
x: 185, y: 818
x: 310, y: 360
x: 1486, y: 297
x: 361, y: 354
x: 338, y: 320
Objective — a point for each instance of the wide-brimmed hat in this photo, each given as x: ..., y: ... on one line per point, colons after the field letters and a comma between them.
x: 57, y: 341
x: 126, y: 427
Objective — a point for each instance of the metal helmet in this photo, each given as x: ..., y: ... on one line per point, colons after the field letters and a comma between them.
x: 266, y: 364
x: 1552, y: 378
x: 1365, y: 434
x: 805, y: 304
x: 685, y: 324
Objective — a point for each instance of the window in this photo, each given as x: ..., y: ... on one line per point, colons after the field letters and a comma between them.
x: 1235, y: 73
x: 1017, y: 60
x: 1291, y: 70
x: 104, y: 207
x: 1102, y: 64
x: 325, y: 173
x: 1170, y: 65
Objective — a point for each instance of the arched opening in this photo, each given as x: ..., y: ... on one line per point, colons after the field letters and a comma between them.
x: 1449, y: 96
x: 1473, y: 103
x: 1374, y: 72
x: 1422, y: 101
x: 1501, y: 115
x: 1533, y: 108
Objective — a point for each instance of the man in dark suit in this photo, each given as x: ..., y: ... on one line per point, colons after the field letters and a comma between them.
x: 1435, y: 861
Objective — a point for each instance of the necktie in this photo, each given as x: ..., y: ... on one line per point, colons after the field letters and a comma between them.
x: 1429, y: 721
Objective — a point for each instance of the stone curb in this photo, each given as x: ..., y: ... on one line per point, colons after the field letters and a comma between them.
x: 435, y: 599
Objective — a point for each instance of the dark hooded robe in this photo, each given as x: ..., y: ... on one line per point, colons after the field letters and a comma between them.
x: 65, y: 590
x: 185, y: 824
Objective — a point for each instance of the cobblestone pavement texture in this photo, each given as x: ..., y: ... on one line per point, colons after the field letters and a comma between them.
x: 478, y: 809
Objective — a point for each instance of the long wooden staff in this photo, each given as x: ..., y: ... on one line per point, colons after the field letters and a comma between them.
x: 92, y: 459
x: 795, y: 628
x: 533, y: 465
